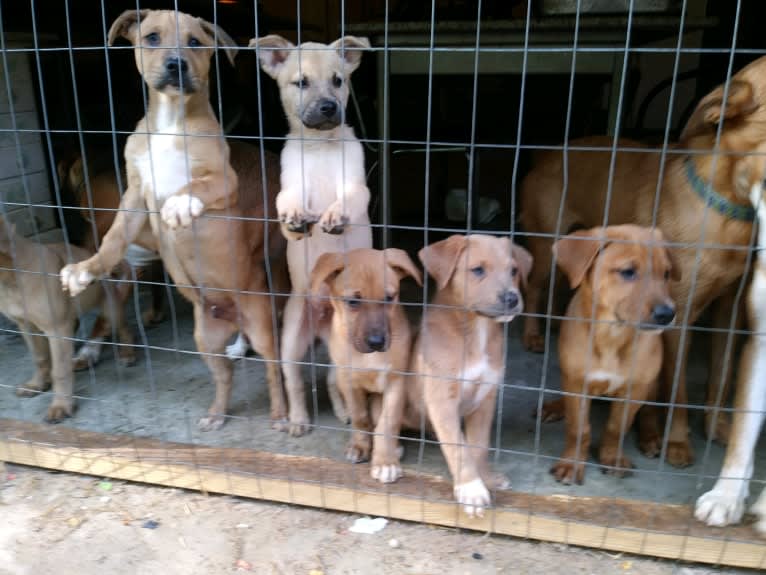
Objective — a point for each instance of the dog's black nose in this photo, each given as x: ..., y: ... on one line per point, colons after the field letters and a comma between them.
x: 175, y: 64
x: 510, y: 300
x: 663, y: 314
x: 328, y: 108
x: 376, y: 341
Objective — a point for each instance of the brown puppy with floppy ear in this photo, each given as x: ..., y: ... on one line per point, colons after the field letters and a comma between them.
x: 458, y: 357
x: 369, y: 341
x: 611, y: 340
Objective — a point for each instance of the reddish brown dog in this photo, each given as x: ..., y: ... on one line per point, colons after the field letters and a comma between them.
x: 610, y: 342
x: 458, y: 358
x: 681, y: 215
x: 369, y: 339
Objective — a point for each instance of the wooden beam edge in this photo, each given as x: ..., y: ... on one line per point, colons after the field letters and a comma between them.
x: 338, y: 498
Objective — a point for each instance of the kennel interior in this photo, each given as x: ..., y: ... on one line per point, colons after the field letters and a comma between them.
x: 450, y: 103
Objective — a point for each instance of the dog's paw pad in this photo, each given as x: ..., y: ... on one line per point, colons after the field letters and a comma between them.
x: 333, y: 222
x: 386, y: 473
x: 473, y: 496
x: 179, y: 211
x: 210, y: 422
x: 718, y: 508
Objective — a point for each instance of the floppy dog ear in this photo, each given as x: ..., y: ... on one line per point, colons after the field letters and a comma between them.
x: 350, y: 49
x: 740, y: 101
x: 273, y: 50
x: 440, y: 259
x: 126, y: 25
x: 328, y: 266
x: 524, y: 260
x: 401, y: 263
x: 576, y: 253
x: 221, y: 39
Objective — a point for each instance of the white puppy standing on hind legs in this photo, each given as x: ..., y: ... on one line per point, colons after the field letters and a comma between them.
x: 725, y: 503
x: 322, y: 203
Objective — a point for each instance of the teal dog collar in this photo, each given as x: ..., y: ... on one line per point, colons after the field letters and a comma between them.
x: 714, y: 199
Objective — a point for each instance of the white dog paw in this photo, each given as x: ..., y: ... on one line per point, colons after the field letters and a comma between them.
x: 238, y: 349
x: 759, y: 510
x: 721, y: 506
x: 386, y: 473
x: 74, y: 280
x: 473, y: 496
x: 211, y: 422
x: 179, y: 211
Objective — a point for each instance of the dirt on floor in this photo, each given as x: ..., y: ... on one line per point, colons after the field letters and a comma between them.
x: 56, y: 523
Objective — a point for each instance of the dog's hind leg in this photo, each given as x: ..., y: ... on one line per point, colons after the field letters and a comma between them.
x: 336, y: 399
x: 540, y: 248
x: 261, y: 332
x: 211, y: 335
x: 296, y: 338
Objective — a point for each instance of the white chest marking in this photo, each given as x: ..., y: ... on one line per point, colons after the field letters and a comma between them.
x: 164, y: 167
x: 478, y: 378
x: 616, y: 381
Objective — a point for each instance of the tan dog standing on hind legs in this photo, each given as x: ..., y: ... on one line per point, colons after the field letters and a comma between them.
x: 458, y: 359
x: 210, y: 234
x: 611, y: 341
x: 322, y: 204
x: 369, y: 339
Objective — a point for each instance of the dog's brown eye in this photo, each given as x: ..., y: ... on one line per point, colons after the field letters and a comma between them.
x: 337, y: 81
x: 478, y: 271
x: 666, y: 275
x: 629, y: 274
x: 389, y: 298
x: 302, y: 83
x: 514, y: 272
x: 194, y: 43
x: 153, y: 39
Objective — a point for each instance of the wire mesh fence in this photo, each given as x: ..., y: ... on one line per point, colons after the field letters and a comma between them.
x: 181, y: 186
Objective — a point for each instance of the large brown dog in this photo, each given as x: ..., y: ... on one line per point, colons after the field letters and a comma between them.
x: 681, y: 215
x: 610, y: 342
x: 180, y: 179
x: 31, y: 295
x: 369, y: 341
x: 458, y: 358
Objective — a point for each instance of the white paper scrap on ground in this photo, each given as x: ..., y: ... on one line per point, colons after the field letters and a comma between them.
x: 368, y: 525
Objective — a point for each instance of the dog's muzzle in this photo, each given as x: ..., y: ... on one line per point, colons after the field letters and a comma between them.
x: 175, y: 75
x: 324, y: 114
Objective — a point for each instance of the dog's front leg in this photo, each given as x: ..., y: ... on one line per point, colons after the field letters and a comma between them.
x: 385, y: 459
x: 358, y: 449
x: 295, y: 219
x: 350, y: 206
x: 216, y: 191
x: 125, y: 228
x: 62, y: 375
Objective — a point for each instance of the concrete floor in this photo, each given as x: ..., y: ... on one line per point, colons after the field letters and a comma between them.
x: 164, y: 394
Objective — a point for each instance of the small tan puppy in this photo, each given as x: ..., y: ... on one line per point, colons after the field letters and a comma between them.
x: 458, y: 356
x: 322, y: 204
x: 210, y: 235
x: 611, y: 342
x: 369, y: 341
x: 31, y: 295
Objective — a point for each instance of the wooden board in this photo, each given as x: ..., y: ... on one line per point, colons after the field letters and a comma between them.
x: 642, y: 527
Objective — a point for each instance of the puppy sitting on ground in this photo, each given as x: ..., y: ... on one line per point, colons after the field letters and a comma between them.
x: 369, y: 340
x: 322, y: 204
x: 179, y: 174
x: 611, y: 341
x: 31, y: 295
x: 458, y: 357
